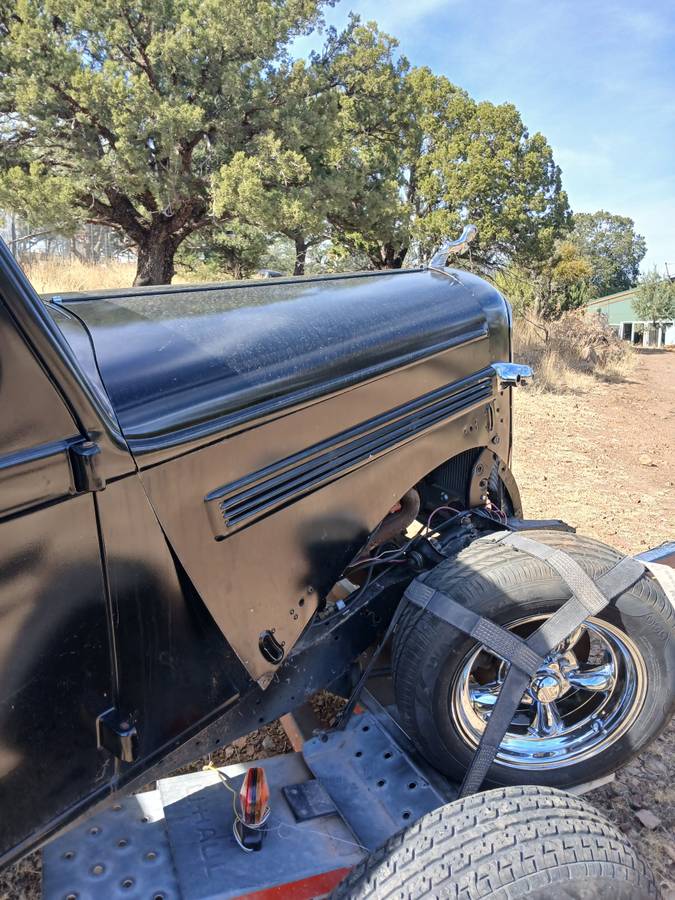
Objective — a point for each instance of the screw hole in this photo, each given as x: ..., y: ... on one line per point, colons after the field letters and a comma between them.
x: 358, y: 753
x: 127, y: 883
x: 381, y: 782
x: 406, y: 815
x: 95, y: 830
x: 387, y: 755
x: 117, y: 807
x: 301, y: 601
x: 71, y: 896
x: 158, y: 897
x: 151, y: 855
x: 122, y: 842
x: 261, y: 719
x: 412, y: 785
x: 145, y: 819
x: 69, y: 854
x: 98, y: 869
x: 366, y: 728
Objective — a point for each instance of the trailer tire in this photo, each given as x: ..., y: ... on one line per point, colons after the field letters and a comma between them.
x: 439, y: 694
x: 509, y: 843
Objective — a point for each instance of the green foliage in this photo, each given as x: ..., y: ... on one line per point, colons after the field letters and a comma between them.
x: 655, y: 298
x: 41, y: 199
x: 370, y: 216
x: 187, y: 120
x: 131, y: 105
x: 476, y: 162
x: 323, y: 170
x: 272, y: 188
x: 438, y: 160
x: 613, y: 248
x: 234, y: 251
x: 550, y: 288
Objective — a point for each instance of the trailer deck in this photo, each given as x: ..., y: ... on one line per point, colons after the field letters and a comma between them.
x: 332, y: 802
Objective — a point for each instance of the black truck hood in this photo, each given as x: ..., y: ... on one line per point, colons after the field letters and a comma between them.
x: 180, y: 363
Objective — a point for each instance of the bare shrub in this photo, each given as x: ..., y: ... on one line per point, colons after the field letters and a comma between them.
x: 566, y: 353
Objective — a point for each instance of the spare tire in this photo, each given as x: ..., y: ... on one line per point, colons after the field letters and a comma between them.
x: 509, y: 843
x: 603, y: 695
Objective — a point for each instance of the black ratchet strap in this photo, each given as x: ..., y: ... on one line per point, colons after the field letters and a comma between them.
x: 525, y: 658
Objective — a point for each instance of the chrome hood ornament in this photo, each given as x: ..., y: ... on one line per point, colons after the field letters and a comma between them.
x: 440, y: 258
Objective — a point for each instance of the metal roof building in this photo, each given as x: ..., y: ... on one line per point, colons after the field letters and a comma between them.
x: 618, y: 311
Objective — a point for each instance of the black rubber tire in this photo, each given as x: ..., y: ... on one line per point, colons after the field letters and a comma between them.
x: 504, y: 585
x: 508, y: 843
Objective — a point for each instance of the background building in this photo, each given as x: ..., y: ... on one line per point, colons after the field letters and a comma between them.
x: 619, y: 313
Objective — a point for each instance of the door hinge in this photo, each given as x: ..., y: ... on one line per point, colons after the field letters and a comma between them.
x: 85, y: 458
x: 117, y: 734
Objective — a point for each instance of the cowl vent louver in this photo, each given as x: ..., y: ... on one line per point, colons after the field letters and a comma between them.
x: 242, y: 502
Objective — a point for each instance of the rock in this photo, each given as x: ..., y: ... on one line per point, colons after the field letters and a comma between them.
x: 646, y: 460
x: 656, y: 767
x: 268, y: 743
x: 229, y: 752
x: 648, y: 819
x: 240, y: 742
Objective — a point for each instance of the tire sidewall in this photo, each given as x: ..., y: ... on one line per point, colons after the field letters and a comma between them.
x: 449, y: 648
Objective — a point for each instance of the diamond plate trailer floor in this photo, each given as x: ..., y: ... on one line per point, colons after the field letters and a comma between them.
x: 332, y: 804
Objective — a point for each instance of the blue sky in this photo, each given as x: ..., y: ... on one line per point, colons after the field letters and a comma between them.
x: 596, y: 77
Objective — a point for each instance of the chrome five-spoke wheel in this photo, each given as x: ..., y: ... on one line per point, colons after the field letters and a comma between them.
x: 586, y: 695
x: 598, y: 699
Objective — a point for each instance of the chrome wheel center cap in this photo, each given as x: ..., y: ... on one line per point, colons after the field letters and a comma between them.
x: 546, y: 687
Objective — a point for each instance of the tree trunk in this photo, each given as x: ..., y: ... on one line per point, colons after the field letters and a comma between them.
x: 155, y: 258
x: 13, y: 240
x: 74, y: 251
x: 390, y: 257
x: 300, y: 256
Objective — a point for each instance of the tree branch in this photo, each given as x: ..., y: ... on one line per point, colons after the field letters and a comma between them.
x: 95, y: 121
x: 145, y: 65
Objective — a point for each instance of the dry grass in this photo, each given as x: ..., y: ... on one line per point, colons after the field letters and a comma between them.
x: 65, y: 275
x: 568, y: 355
x: 54, y: 275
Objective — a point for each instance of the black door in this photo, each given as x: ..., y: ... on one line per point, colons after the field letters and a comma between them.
x: 55, y: 661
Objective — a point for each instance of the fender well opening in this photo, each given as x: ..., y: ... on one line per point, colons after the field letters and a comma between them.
x: 450, y: 484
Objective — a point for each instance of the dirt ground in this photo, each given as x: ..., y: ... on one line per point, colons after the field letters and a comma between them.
x: 602, y: 458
